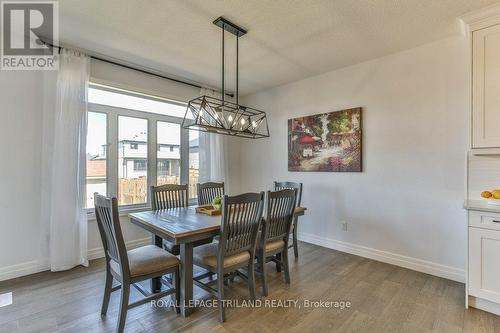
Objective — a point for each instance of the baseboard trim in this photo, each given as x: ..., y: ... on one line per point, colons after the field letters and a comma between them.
x: 37, y: 266
x: 26, y: 268
x: 485, y: 305
x: 415, y: 264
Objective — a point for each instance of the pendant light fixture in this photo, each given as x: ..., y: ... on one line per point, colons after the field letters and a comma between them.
x: 221, y: 116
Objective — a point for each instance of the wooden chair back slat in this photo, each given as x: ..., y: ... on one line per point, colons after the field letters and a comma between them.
x: 108, y: 222
x: 241, y: 218
x: 208, y: 191
x: 169, y: 196
x: 290, y: 185
x: 279, y: 214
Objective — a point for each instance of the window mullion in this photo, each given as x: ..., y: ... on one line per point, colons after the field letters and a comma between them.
x: 112, y: 154
x: 184, y: 156
x: 152, y: 154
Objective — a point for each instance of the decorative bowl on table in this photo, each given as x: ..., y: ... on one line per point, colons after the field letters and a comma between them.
x: 212, y: 209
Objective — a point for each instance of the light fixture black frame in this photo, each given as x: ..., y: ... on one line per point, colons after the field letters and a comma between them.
x: 220, y: 116
x: 233, y: 119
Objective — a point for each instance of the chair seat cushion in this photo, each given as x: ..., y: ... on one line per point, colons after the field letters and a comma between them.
x: 207, y: 255
x: 275, y: 245
x: 146, y: 260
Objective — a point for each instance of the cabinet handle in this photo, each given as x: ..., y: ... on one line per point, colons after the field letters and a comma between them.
x: 496, y: 221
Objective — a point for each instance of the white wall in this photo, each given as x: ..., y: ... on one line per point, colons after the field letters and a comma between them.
x: 406, y: 206
x: 21, y: 114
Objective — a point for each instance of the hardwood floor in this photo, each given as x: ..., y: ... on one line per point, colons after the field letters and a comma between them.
x: 384, y: 298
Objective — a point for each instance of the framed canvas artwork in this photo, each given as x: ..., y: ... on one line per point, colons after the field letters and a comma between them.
x: 326, y: 142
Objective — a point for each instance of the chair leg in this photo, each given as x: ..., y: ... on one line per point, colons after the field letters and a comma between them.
x: 122, y: 317
x: 107, y: 292
x: 262, y: 266
x: 295, y: 241
x: 177, y: 286
x: 278, y: 265
x: 170, y: 278
x: 220, y: 294
x: 285, y: 264
x: 251, y: 278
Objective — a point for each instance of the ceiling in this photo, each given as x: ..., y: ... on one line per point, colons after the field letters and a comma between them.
x: 287, y: 40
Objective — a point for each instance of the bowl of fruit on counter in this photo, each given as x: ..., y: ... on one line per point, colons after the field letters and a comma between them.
x: 492, y: 197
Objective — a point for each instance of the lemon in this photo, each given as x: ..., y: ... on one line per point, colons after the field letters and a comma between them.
x: 496, y: 194
x: 486, y: 194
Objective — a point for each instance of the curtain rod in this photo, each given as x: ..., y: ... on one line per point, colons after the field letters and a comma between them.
x: 131, y: 66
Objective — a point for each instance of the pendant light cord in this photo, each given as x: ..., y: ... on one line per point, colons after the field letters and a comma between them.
x: 237, y: 70
x: 223, y: 53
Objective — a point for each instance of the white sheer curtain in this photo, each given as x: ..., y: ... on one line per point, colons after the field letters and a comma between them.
x: 213, y: 153
x: 66, y: 164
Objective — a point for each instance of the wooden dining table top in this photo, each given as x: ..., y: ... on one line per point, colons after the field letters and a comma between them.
x: 182, y: 222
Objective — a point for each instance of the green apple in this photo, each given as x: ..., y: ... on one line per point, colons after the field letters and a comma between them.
x: 217, y: 203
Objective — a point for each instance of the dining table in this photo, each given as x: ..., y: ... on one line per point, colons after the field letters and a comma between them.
x: 182, y: 226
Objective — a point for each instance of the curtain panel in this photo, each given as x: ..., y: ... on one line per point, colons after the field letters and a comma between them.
x: 213, y: 153
x: 64, y: 188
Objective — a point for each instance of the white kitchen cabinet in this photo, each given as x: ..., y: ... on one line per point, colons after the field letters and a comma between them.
x: 484, y: 265
x: 482, y: 28
x: 486, y: 87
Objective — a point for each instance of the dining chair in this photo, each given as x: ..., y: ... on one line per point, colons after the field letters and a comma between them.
x: 240, y: 223
x: 130, y: 267
x: 169, y: 196
x: 166, y: 197
x: 273, y: 243
x: 208, y: 191
x: 298, y: 186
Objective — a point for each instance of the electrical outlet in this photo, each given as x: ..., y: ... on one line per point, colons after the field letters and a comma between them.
x: 344, y: 226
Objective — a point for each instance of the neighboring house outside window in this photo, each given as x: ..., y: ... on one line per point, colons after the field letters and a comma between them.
x: 140, y: 165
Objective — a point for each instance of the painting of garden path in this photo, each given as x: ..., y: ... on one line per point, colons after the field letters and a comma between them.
x: 325, y: 142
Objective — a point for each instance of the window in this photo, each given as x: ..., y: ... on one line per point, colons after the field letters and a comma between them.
x: 136, y: 141
x: 169, y: 166
x: 104, y: 95
x: 140, y: 165
x: 132, y: 181
x: 96, y: 180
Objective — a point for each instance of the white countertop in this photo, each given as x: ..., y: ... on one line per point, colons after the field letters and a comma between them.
x: 481, y: 205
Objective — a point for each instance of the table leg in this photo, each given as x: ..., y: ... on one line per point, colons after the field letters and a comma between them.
x: 186, y: 278
x: 156, y: 282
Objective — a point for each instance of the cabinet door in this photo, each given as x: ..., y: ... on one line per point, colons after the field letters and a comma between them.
x: 484, y: 263
x: 486, y: 87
